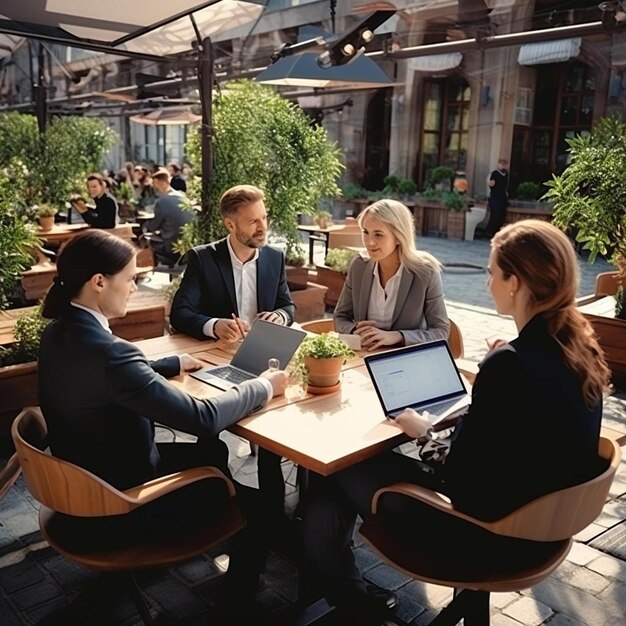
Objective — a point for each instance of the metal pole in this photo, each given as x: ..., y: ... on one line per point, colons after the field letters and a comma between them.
x: 40, y: 91
x: 205, y: 73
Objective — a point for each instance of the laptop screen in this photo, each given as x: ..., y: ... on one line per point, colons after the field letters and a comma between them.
x: 265, y: 341
x: 416, y: 375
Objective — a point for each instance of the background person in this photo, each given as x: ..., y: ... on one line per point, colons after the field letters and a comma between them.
x: 106, y: 423
x: 533, y: 425
x: 177, y: 181
x: 104, y: 213
x: 396, y: 296
x: 169, y: 218
x: 498, y: 182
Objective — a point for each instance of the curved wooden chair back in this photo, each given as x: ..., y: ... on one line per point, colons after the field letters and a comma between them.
x: 455, y: 340
x: 606, y: 283
x: 319, y: 326
x: 548, y: 522
x: 9, y: 474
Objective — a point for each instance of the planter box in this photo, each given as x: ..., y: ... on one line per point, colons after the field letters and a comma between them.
x: 612, y: 338
x: 456, y: 224
x: 297, y: 277
x: 310, y: 302
x: 331, y: 279
x: 18, y: 388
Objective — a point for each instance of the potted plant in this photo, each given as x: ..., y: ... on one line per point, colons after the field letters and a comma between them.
x: 124, y: 195
x: 323, y: 219
x: 589, y: 200
x: 45, y: 216
x: 319, y: 360
x: 441, y: 177
x: 456, y: 203
x: 297, y: 273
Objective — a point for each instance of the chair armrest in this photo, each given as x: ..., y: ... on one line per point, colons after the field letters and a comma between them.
x: 432, y: 498
x: 147, y: 492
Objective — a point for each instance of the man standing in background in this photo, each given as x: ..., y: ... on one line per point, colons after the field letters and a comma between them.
x: 498, y: 182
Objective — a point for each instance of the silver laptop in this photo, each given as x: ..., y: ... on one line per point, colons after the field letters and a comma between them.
x: 423, y: 377
x: 263, y: 342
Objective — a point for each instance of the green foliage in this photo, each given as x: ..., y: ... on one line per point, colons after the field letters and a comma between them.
x: 398, y: 187
x: 432, y: 195
x: 324, y: 346
x: 28, y: 330
x: 619, y: 302
x: 407, y: 187
x: 589, y: 198
x: 169, y: 290
x: 70, y: 149
x: 46, y: 210
x: 261, y: 139
x: 528, y: 191
x: 17, y: 232
x: 339, y: 259
x: 441, y: 174
x: 454, y: 201
x: 124, y: 192
x: 350, y: 191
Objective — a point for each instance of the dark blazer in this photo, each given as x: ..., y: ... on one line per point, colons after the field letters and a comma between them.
x: 528, y: 431
x: 208, y: 287
x: 419, y: 313
x: 104, y: 215
x: 100, y: 398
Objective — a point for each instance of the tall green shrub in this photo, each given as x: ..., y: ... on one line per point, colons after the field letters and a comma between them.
x: 590, y: 196
x: 57, y: 160
x: 261, y: 139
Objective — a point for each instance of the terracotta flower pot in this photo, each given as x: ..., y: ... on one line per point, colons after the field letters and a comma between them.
x: 324, y: 372
x: 46, y: 223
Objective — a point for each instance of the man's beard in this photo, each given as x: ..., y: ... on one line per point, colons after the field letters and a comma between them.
x: 252, y: 242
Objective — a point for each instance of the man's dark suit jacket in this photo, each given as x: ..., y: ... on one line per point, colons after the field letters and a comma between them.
x: 100, y: 398
x: 104, y: 215
x: 528, y: 430
x: 208, y: 287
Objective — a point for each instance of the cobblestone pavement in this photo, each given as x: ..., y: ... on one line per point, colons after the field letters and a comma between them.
x: 589, y: 589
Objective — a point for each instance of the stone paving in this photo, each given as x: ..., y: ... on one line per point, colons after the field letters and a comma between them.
x: 589, y: 589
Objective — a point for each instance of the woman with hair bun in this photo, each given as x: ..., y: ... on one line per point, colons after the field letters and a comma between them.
x: 533, y: 427
x: 106, y: 422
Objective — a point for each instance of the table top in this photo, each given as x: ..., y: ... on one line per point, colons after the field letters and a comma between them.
x: 314, y: 228
x: 602, y: 307
x: 63, y: 232
x: 323, y: 433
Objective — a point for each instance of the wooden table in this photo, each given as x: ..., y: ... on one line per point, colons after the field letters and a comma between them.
x: 324, y: 433
x: 60, y: 234
x: 318, y: 234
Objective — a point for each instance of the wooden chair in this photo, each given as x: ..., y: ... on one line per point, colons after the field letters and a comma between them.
x: 548, y: 525
x: 455, y: 341
x: 62, y: 487
x: 606, y: 284
x: 323, y: 325
x: 9, y: 474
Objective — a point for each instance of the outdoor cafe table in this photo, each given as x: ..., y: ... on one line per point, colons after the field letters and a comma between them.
x: 316, y: 233
x: 60, y: 234
x: 324, y: 433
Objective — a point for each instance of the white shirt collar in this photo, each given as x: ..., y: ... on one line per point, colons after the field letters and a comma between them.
x: 102, y: 320
x: 233, y: 257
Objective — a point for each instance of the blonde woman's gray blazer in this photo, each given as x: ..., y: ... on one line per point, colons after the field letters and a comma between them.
x: 420, y: 311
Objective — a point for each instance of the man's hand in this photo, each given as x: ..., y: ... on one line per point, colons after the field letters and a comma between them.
x: 271, y: 316
x: 229, y: 330
x: 414, y: 424
x: 189, y: 363
x: 278, y: 380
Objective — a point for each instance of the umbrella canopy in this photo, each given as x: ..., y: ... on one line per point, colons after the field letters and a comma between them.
x: 162, y: 117
x: 145, y: 26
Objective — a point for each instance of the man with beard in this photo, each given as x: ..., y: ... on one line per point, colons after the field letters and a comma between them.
x: 238, y: 276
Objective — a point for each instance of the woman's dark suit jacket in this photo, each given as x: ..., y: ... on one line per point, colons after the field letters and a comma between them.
x: 528, y: 431
x: 100, y: 398
x: 420, y: 311
x: 208, y: 287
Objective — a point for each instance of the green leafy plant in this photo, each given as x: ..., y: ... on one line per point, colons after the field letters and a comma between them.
x: 28, y: 330
x: 296, y: 258
x: 322, y: 346
x: 441, y: 174
x: 528, y: 191
x: 124, y: 192
x: 397, y: 187
x: 454, y: 201
x: 407, y: 187
x: 432, y: 195
x: 339, y: 259
x: 350, y: 191
x: 323, y: 218
x: 46, y: 210
x: 262, y: 139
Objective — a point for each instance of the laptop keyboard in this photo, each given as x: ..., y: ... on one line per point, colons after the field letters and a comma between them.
x: 441, y: 407
x: 231, y: 374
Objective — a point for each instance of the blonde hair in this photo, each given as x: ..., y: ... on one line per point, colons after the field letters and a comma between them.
x: 234, y: 197
x: 543, y: 259
x: 400, y: 221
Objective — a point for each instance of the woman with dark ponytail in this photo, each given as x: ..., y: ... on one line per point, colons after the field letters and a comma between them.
x: 101, y: 397
x: 533, y: 426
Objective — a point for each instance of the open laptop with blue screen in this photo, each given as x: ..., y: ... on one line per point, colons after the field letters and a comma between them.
x: 423, y: 377
x: 264, y: 341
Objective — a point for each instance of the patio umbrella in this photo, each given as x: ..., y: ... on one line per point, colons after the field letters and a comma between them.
x: 162, y: 117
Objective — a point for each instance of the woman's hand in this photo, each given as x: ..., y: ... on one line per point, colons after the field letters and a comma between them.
x: 373, y: 337
x: 189, y: 363
x: 414, y: 424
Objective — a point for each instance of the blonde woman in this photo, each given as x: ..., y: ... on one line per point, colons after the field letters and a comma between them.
x: 394, y: 297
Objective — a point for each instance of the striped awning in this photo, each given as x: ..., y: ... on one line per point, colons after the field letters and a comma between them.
x: 549, y: 51
x: 435, y: 62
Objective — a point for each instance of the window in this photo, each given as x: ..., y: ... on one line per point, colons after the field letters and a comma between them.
x: 524, y: 106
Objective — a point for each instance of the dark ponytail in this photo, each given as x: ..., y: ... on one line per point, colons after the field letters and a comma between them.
x: 91, y: 252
